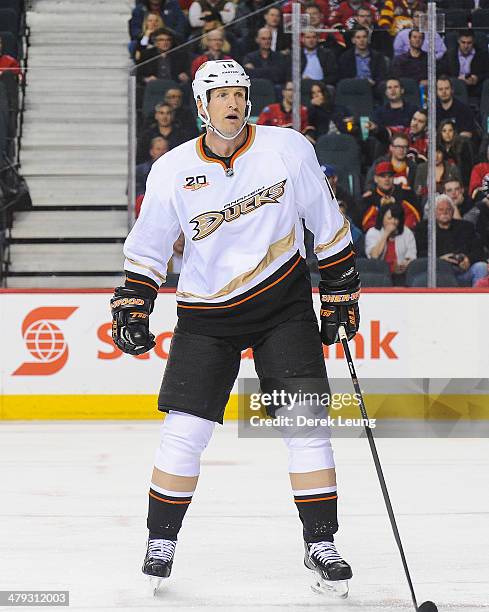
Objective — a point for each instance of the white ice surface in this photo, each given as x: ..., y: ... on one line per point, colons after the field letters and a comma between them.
x: 73, y: 499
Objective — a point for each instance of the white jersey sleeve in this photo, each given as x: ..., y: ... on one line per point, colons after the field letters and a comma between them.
x: 149, y: 246
x: 317, y: 205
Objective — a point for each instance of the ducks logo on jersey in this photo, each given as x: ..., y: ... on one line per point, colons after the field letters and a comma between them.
x: 208, y: 222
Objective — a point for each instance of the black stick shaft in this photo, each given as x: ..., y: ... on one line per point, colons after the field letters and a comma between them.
x: 378, y: 466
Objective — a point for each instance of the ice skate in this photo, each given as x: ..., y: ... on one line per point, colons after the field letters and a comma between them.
x: 331, y: 571
x: 158, y: 561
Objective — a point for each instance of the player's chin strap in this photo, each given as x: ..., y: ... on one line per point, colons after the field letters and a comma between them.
x: 206, y: 120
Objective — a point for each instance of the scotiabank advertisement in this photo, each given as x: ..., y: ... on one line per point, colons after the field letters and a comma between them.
x: 58, y: 345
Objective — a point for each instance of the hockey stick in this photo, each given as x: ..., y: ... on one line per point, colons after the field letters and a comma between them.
x: 427, y: 606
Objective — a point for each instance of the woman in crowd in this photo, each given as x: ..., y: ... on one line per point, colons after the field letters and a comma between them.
x: 391, y: 241
x: 456, y: 150
x: 325, y: 116
x: 444, y: 171
x: 151, y: 23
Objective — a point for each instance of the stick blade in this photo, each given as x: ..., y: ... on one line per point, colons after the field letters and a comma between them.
x: 428, y: 606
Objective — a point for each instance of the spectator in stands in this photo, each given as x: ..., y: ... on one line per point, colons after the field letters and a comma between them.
x: 168, y: 10
x: 217, y: 49
x: 317, y: 63
x: 396, y: 113
x: 201, y: 9
x: 378, y: 39
x: 159, y: 146
x: 151, y: 24
x: 401, y: 42
x: 443, y: 172
x: 272, y: 19
x: 344, y: 16
x: 385, y: 193
x: 8, y: 64
x: 462, y: 202
x: 479, y: 178
x: 174, y: 66
x: 396, y: 15
x: 318, y: 20
x: 163, y: 126
x: 265, y: 63
x: 323, y: 113
x: 346, y: 204
x: 456, y: 242
x: 482, y: 220
x: 362, y: 62
x: 414, y: 63
x: 448, y: 107
x: 391, y: 241
x: 183, y: 117
x: 466, y: 63
x: 403, y: 167
x: 280, y: 114
x: 456, y: 150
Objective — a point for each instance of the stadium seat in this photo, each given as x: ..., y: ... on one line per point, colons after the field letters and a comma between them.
x: 9, y: 43
x: 154, y: 93
x: 411, y: 91
x: 456, y: 18
x: 343, y: 152
x: 9, y: 20
x: 355, y: 94
x: 375, y: 279
x: 374, y: 272
x: 377, y: 266
x: 484, y: 106
x: 480, y: 18
x: 262, y: 94
x: 15, y: 5
x: 460, y: 90
x: 467, y: 5
x: 417, y: 273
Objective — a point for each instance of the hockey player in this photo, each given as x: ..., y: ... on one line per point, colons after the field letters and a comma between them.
x: 239, y: 194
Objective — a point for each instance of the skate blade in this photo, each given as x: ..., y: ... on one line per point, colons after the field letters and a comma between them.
x: 155, y: 583
x: 335, y: 588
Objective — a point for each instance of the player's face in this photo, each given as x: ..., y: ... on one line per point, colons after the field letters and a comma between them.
x: 227, y: 109
x: 418, y: 123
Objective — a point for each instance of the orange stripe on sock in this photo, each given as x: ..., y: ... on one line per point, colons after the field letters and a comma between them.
x: 305, y: 501
x: 168, y: 501
x: 133, y: 280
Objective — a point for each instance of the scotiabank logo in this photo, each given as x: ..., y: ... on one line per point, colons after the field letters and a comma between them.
x: 45, y: 341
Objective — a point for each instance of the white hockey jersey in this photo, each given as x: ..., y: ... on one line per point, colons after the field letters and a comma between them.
x: 242, y: 221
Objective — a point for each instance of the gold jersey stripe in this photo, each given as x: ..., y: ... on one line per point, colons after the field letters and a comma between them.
x: 341, y: 233
x: 274, y: 251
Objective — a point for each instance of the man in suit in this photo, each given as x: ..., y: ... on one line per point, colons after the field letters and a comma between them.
x: 361, y: 61
x: 174, y: 66
x: 317, y: 63
x: 466, y: 63
x: 265, y: 63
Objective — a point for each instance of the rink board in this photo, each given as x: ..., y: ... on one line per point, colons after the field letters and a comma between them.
x: 61, y: 363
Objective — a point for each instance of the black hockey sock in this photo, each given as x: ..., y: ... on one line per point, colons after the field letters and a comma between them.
x: 165, y: 514
x: 318, y: 514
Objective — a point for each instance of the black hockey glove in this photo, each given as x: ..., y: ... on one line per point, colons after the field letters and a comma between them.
x: 339, y: 306
x: 130, y: 321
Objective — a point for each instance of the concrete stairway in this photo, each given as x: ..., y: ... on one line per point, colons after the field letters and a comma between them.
x: 74, y: 146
